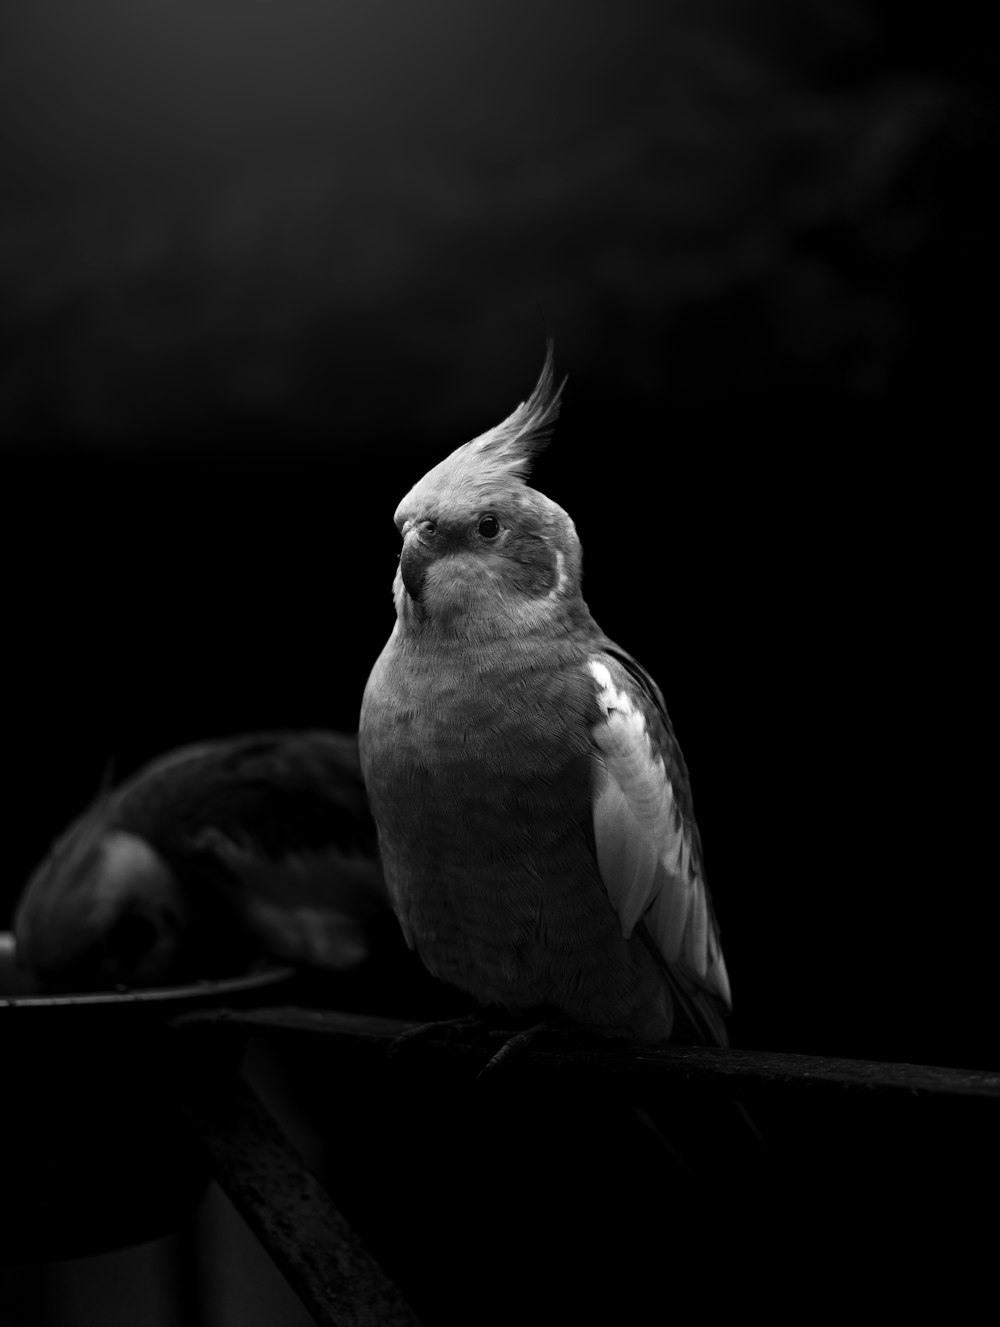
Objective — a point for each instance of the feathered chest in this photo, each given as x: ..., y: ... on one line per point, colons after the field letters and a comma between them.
x: 477, y: 734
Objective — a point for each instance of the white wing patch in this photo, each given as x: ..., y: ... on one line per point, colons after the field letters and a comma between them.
x: 643, y: 846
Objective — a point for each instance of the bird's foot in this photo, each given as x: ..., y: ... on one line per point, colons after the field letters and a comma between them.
x: 467, y: 1029
x: 492, y: 1035
x: 516, y: 1043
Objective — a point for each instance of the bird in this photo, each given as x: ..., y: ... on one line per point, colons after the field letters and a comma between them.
x: 533, y: 806
x: 205, y: 860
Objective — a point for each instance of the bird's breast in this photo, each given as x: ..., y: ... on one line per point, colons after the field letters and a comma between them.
x: 501, y: 744
x: 480, y: 783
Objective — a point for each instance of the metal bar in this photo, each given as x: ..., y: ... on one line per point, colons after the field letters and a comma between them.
x: 366, y: 1037
x: 287, y: 1208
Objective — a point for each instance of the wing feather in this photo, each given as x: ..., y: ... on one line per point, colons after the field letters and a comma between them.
x: 645, y: 836
x: 624, y: 853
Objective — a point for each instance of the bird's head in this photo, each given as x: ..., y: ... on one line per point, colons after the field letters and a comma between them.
x: 103, y: 909
x: 485, y: 555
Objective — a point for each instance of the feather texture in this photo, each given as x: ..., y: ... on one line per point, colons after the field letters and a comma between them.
x: 646, y: 847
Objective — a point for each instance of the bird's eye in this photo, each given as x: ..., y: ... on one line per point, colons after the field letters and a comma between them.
x: 489, y: 526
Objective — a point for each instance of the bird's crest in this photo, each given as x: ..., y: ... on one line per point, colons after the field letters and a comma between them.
x: 512, y: 446
x: 501, y: 455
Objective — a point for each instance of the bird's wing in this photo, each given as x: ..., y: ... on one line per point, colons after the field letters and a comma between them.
x: 647, y: 842
x: 278, y: 793
x: 284, y: 816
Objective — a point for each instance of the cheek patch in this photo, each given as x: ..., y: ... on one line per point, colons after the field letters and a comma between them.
x: 532, y: 566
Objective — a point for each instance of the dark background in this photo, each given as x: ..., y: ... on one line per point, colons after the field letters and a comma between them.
x: 261, y: 264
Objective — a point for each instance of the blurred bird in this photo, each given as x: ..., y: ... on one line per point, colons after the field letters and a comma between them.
x: 533, y: 806
x: 205, y: 859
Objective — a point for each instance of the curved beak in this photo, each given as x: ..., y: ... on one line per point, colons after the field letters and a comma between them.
x: 414, y: 560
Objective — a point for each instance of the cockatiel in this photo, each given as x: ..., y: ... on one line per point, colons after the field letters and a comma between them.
x: 533, y: 806
x: 205, y: 859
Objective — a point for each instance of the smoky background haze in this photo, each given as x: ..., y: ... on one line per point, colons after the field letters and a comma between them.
x: 261, y: 264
